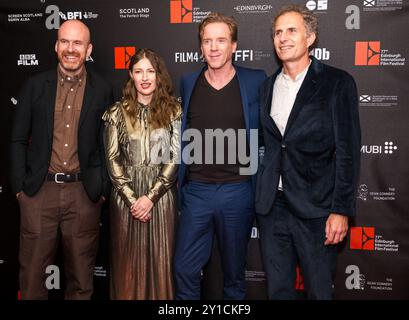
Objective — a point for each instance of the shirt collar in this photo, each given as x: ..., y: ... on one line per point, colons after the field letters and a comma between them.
x: 299, y: 76
x: 65, y: 78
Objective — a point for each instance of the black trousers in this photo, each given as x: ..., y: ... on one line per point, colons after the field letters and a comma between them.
x: 288, y: 241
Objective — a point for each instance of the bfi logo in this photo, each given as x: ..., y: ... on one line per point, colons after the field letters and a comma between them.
x: 71, y: 15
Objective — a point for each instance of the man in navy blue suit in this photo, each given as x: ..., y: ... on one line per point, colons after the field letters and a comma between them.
x: 216, y: 187
x: 307, y: 182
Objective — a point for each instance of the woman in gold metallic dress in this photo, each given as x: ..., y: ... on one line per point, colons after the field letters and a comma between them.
x: 142, y: 147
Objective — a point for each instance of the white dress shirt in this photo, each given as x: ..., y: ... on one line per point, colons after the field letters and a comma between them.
x: 284, y: 94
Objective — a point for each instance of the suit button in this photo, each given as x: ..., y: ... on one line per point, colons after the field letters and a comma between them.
x: 283, y: 146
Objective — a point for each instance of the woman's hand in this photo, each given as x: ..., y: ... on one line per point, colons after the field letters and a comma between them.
x: 141, y: 209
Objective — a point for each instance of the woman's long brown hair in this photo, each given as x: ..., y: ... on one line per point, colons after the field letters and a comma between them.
x: 163, y: 105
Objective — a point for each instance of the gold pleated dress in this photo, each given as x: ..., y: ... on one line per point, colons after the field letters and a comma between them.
x: 141, y: 161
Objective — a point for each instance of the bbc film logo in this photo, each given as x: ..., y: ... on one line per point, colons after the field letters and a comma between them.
x: 27, y: 59
x: 183, y: 11
x: 367, y: 239
x: 371, y: 53
x: 123, y: 56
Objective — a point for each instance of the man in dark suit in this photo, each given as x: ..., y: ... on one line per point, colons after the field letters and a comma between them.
x: 58, y: 167
x: 216, y: 197
x: 307, y: 182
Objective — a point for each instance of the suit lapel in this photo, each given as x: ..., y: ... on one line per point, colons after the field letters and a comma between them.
x: 306, y: 92
x: 244, y: 98
x: 88, y: 97
x: 266, y: 103
x: 189, y: 85
x: 50, y: 96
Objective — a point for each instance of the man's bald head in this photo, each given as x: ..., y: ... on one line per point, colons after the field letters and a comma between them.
x: 76, y: 26
x: 73, y: 46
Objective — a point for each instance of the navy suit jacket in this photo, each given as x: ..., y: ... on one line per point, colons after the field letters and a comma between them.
x: 249, y: 80
x: 319, y: 154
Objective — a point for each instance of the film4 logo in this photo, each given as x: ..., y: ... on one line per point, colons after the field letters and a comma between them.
x: 123, y: 56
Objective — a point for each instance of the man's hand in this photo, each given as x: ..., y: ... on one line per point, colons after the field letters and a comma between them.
x: 336, y: 228
x: 141, y: 209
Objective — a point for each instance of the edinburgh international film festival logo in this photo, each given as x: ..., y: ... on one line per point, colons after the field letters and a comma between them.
x: 183, y: 11
x: 123, y: 56
x: 370, y: 53
x: 366, y: 238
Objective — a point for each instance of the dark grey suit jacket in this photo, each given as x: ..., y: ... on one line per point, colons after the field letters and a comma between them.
x: 319, y: 154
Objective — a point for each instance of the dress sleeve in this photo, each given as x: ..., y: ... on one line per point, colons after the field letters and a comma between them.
x: 168, y: 173
x: 112, y: 134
